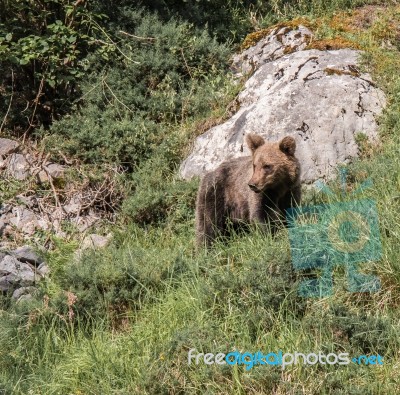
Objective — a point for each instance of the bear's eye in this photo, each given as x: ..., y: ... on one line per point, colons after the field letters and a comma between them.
x: 267, y: 167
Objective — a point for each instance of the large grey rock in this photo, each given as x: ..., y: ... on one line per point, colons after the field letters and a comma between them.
x: 16, y: 272
x: 318, y: 97
x: 8, y: 146
x: 18, y: 167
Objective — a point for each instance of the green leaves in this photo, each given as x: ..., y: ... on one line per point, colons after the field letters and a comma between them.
x: 44, y: 43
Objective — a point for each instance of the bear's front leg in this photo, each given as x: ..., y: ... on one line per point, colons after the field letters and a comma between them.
x: 266, y: 217
x: 259, y: 219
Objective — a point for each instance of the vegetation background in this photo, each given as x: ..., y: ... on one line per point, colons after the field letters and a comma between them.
x: 132, y: 84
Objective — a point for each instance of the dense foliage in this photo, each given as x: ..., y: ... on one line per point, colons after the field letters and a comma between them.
x: 159, y: 77
x: 42, y: 50
x: 48, y: 48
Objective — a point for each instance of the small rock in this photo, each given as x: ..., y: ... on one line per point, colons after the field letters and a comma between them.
x: 74, y: 206
x: 53, y: 170
x: 5, y: 217
x: 56, y: 171
x: 6, y: 283
x: 43, y: 224
x: 24, y: 298
x: 56, y: 227
x: 3, y: 225
x: 28, y: 201
x: 5, y: 208
x: 92, y: 241
x: 6, y: 246
x: 95, y: 241
x: 23, y: 291
x: 18, y: 167
x: 24, y: 220
x: 27, y: 254
x: 3, y: 163
x: 22, y: 272
x: 8, y: 146
x: 43, y: 269
x: 85, y: 222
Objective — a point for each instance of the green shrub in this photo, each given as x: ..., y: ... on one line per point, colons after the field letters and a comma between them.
x: 167, y: 73
x: 109, y: 284
x: 225, y: 19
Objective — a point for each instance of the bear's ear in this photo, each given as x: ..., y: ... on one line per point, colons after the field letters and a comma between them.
x: 288, y: 145
x: 254, y: 141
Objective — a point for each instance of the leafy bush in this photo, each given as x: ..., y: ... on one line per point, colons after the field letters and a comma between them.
x: 42, y: 52
x: 162, y: 76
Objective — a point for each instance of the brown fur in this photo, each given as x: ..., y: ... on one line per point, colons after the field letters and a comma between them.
x: 253, y: 189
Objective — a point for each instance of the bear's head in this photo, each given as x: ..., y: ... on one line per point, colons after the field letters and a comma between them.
x: 274, y: 164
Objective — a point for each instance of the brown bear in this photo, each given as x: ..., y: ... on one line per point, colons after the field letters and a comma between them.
x: 251, y: 190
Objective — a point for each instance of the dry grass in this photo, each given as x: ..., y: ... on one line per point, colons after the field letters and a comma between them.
x: 252, y: 38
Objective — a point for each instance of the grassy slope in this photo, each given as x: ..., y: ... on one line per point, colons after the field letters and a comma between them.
x: 240, y: 295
